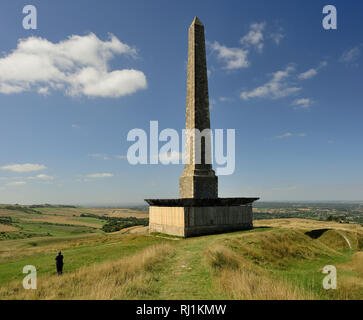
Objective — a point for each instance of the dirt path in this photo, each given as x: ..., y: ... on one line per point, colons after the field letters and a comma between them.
x: 187, y: 275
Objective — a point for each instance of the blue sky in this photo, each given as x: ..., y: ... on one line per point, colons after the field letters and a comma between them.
x: 292, y: 90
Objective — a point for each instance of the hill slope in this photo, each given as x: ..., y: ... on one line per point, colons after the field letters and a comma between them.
x: 279, y: 259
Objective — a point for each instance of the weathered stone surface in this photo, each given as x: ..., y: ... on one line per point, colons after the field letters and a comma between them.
x: 192, y: 221
x: 194, y: 202
x: 198, y: 179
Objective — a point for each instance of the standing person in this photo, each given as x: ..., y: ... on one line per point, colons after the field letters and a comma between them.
x: 59, y: 263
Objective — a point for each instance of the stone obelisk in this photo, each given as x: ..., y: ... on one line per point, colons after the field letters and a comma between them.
x: 198, y: 210
x: 198, y: 180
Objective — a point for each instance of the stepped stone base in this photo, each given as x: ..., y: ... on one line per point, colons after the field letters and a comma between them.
x: 196, y: 218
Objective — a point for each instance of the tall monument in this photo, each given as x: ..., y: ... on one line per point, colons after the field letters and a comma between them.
x: 198, y: 179
x: 198, y: 211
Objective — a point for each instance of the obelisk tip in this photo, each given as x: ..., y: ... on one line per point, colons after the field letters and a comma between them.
x: 197, y: 21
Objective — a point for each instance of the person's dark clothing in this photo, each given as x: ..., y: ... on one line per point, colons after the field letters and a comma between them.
x: 59, y: 263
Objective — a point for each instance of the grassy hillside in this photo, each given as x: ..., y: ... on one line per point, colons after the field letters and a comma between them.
x: 279, y: 259
x: 22, y: 222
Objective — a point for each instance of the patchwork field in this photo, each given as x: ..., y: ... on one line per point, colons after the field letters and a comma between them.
x: 279, y: 259
x: 7, y: 228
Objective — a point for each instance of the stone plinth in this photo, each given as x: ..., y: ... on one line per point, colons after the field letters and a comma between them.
x: 194, y: 217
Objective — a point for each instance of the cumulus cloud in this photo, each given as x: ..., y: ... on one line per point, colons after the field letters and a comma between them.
x: 99, y: 175
x: 277, y: 87
x: 235, y: 58
x: 255, y: 36
x: 27, y: 167
x: 78, y: 66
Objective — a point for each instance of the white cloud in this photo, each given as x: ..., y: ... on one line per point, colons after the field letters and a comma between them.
x: 302, y: 103
x: 308, y: 74
x: 255, y: 36
x: 225, y: 99
x: 276, y: 88
x: 235, y: 58
x: 277, y: 37
x: 289, y: 134
x: 41, y: 177
x: 285, y: 135
x: 118, y: 156
x: 99, y: 175
x: 16, y: 183
x: 75, y: 126
x: 44, y: 91
x: 77, y: 65
x: 27, y: 167
x: 351, y: 55
x: 312, y: 72
x: 100, y: 155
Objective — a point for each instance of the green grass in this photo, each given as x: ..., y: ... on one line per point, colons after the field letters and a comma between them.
x: 90, y: 220
x: 308, y: 275
x: 74, y: 258
x: 287, y: 256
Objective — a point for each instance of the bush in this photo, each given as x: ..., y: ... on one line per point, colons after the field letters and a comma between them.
x: 6, y: 220
x: 117, y: 224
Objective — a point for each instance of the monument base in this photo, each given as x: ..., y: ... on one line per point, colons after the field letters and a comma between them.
x: 194, y: 217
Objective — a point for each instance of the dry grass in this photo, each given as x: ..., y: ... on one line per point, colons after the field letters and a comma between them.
x: 350, y: 283
x: 348, y: 288
x: 62, y: 220
x: 129, y: 278
x: 356, y: 264
x: 131, y: 230
x: 279, y: 249
x: 6, y: 212
x: 305, y: 224
x: 118, y: 213
x: 339, y: 240
x: 240, y: 279
x: 7, y: 228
